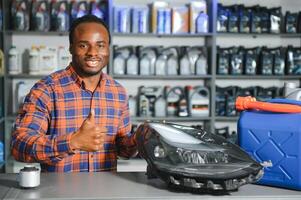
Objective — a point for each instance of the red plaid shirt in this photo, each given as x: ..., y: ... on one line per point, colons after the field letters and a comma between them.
x: 56, y: 107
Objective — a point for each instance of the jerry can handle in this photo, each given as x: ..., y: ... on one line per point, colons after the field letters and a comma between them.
x: 250, y: 103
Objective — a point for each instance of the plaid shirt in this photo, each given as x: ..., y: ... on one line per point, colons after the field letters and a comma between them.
x: 56, y: 107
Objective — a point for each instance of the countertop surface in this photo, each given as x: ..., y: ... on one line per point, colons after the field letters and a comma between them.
x: 123, y: 185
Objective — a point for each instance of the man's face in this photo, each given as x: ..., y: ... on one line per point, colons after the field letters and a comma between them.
x: 90, y: 49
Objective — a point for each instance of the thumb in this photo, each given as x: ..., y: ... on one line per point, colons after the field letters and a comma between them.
x: 91, y: 116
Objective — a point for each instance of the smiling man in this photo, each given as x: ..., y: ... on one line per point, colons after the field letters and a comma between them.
x: 76, y: 119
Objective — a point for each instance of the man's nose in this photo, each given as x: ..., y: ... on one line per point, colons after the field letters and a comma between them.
x: 92, y: 50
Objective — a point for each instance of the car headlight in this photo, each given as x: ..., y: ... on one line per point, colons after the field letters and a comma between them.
x: 191, y: 158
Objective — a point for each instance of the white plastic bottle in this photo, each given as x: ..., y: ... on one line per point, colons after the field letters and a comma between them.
x: 48, y: 59
x: 119, y: 65
x: 201, y: 66
x: 160, y: 107
x: 185, y: 66
x: 199, y: 102
x: 13, y: 61
x: 172, y: 65
x: 133, y: 105
x: 64, y: 58
x: 33, y: 63
x: 160, y: 66
x: 145, y: 65
x: 132, y: 65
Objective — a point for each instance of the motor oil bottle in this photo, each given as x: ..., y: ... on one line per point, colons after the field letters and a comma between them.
x: 172, y: 65
x: 96, y: 9
x: 33, y: 62
x: 60, y: 16
x: 132, y: 105
x: 160, y: 107
x: 151, y: 54
x: 145, y: 65
x: 119, y: 64
x: 173, y: 96
x: 220, y: 101
x: 185, y: 66
x: 78, y: 9
x: 14, y: 66
x: 22, y: 89
x: 199, y: 101
x: 132, y: 65
x: 231, y: 93
x: 144, y: 106
x: 64, y: 57
x: 201, y: 66
x: 48, y: 59
x: 160, y: 66
x: 202, y: 23
x: 20, y: 15
x: 40, y: 19
x: 183, y: 106
x: 291, y: 91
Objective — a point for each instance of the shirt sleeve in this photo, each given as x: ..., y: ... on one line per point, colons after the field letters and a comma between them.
x: 29, y: 141
x: 126, y: 143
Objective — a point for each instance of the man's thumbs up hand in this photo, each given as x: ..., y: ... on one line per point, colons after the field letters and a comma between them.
x: 89, y: 137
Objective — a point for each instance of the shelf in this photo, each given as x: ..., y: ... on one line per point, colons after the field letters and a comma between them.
x: 255, y: 35
x: 161, y: 35
x: 176, y: 77
x: 171, y: 119
x: 225, y: 118
x: 284, y: 77
x: 39, y: 33
x: 178, y: 119
x: 27, y: 76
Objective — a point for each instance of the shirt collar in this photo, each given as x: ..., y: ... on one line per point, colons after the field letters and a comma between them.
x: 79, y: 81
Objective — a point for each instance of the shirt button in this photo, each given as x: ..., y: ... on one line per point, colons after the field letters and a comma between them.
x: 91, y: 156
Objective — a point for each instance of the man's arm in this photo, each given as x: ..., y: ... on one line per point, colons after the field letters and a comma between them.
x: 29, y: 142
x: 125, y: 141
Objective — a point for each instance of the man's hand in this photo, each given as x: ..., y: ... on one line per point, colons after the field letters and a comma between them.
x: 89, y: 137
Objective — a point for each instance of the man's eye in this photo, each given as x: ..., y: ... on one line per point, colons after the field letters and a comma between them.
x: 82, y: 46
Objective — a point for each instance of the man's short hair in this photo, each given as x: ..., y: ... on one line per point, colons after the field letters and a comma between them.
x: 87, y: 19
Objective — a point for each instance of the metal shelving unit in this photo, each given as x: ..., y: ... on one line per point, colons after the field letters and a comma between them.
x: 171, y: 119
x: 178, y: 77
x: 49, y: 33
x: 255, y: 35
x: 210, y: 40
x: 161, y: 35
x: 246, y: 77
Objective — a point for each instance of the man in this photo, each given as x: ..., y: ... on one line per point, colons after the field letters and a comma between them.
x: 76, y: 119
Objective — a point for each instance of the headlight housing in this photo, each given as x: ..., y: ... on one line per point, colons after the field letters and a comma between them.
x: 191, y: 158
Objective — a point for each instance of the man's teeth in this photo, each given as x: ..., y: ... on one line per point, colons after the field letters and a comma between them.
x: 92, y: 63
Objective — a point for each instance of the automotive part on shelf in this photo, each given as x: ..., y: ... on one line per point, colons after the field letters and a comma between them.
x: 190, y: 158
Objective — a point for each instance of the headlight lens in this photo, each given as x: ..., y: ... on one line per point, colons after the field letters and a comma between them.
x: 202, y: 157
x: 159, y: 152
